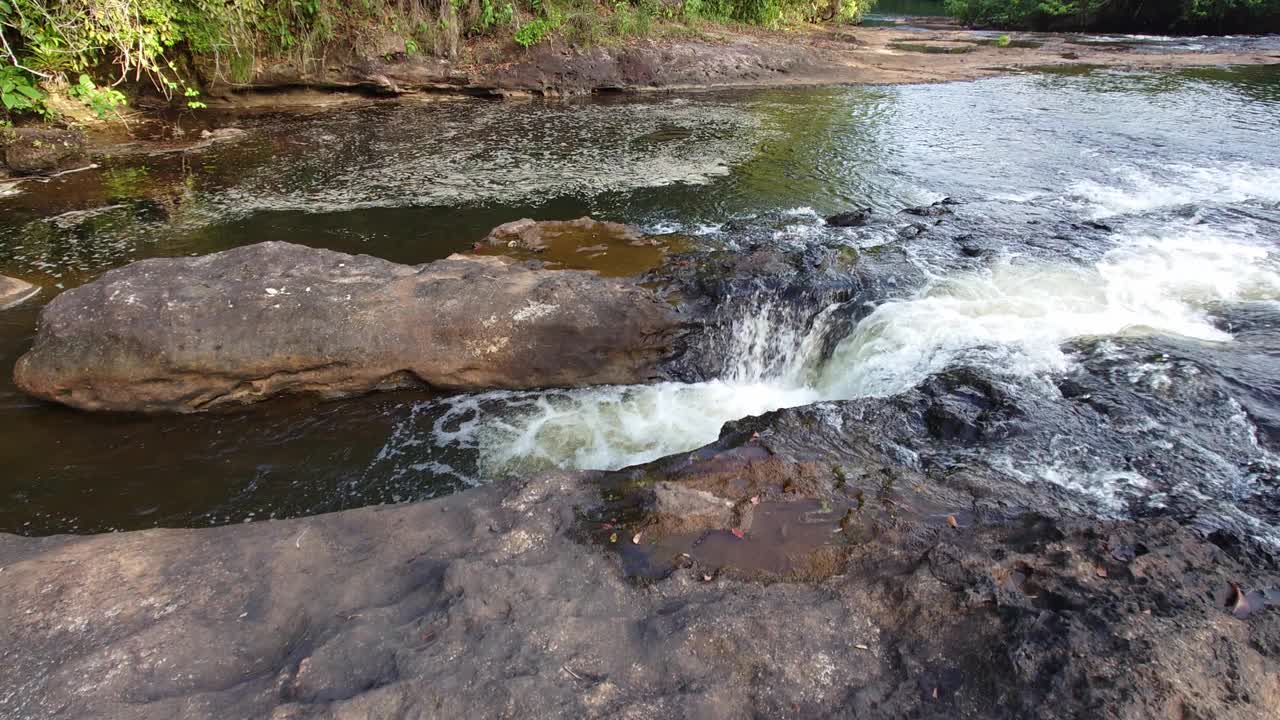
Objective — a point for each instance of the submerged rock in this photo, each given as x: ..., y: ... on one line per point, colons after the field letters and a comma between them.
x: 222, y: 134
x: 539, y: 234
x: 853, y: 218
x: 609, y: 248
x: 14, y: 291
x: 187, y: 334
x: 937, y: 209
x: 35, y: 151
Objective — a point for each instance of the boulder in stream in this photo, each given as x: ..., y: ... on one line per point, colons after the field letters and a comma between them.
x: 188, y: 334
x: 14, y: 291
x: 853, y: 218
x: 937, y: 209
x: 37, y: 151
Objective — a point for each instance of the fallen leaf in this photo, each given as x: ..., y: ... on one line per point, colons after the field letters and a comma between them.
x: 606, y: 526
x: 1240, y: 606
x: 935, y: 693
x: 737, y: 532
x: 635, y: 540
x: 861, y: 647
x: 951, y: 520
x: 1101, y: 571
x: 755, y: 499
x: 613, y: 538
x: 706, y: 577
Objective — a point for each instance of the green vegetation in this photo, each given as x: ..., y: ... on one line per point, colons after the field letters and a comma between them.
x: 1166, y: 16
x: 931, y: 48
x: 18, y: 92
x: 92, y: 50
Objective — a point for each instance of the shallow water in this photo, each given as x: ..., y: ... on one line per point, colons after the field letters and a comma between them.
x: 1182, y: 167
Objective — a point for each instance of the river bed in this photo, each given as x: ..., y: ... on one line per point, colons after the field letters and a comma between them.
x: 1092, y: 204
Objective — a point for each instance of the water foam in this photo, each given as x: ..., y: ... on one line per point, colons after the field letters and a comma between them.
x: 1133, y: 190
x: 1014, y: 316
x: 1018, y: 315
x: 770, y: 354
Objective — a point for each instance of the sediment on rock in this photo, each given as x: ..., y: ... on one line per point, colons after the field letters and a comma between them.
x: 538, y: 235
x: 187, y: 334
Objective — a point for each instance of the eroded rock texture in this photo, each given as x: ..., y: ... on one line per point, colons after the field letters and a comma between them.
x: 186, y: 334
x: 484, y: 605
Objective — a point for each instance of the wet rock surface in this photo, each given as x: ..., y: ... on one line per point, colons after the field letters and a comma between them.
x: 38, y: 151
x: 539, y: 235
x: 188, y: 334
x: 852, y: 218
x: 839, y: 285
x: 14, y: 291
x: 804, y: 565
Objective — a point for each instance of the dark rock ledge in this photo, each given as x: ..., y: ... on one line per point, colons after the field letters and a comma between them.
x: 41, y: 151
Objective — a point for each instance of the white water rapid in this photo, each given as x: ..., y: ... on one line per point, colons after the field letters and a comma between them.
x: 1015, y: 314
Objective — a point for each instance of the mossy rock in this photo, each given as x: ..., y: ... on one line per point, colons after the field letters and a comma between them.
x: 40, y: 151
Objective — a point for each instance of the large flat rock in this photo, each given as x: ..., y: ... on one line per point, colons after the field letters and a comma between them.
x: 486, y: 604
x: 187, y: 334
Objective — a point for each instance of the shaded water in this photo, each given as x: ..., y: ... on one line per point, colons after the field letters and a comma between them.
x: 1183, y: 167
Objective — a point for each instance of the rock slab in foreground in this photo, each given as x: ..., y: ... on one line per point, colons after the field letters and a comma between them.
x: 483, y: 605
x: 187, y: 334
x: 14, y: 291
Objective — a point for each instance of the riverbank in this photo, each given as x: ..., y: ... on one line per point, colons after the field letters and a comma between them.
x: 812, y: 55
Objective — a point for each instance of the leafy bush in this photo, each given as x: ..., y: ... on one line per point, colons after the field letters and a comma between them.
x: 533, y: 32
x: 102, y: 101
x: 18, y: 92
x: 1208, y: 16
x: 96, y: 47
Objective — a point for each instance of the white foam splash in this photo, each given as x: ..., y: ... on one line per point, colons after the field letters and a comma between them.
x: 1019, y: 314
x: 1133, y: 190
x: 769, y: 357
x: 1016, y: 315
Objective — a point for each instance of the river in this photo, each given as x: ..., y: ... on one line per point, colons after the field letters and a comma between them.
x: 1093, y: 206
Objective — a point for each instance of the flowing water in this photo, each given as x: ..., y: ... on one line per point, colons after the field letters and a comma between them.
x: 1100, y: 204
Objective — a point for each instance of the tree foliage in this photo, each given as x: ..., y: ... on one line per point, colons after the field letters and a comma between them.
x: 1164, y: 16
x: 89, y: 48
